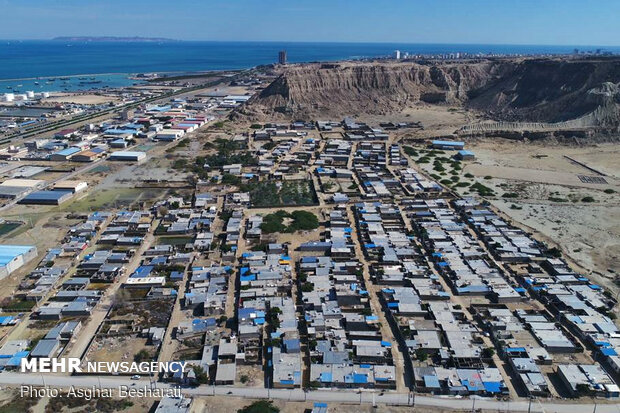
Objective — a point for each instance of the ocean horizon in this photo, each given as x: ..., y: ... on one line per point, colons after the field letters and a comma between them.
x: 111, y: 61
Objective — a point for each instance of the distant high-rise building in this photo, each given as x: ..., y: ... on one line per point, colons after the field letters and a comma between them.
x: 282, y: 57
x: 397, y: 54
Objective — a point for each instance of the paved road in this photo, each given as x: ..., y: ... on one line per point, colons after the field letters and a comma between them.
x: 336, y: 396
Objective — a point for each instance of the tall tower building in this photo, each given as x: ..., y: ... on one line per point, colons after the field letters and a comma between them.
x: 282, y: 57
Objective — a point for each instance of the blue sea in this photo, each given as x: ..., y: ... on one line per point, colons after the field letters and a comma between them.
x: 22, y: 63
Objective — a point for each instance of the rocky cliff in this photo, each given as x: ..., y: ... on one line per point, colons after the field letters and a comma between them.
x: 536, y: 90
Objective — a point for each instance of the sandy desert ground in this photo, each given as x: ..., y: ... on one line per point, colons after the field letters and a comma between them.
x: 551, y: 193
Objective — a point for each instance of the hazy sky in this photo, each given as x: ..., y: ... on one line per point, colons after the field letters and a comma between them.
x: 549, y: 22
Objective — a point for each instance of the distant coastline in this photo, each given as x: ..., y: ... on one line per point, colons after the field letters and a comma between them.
x: 112, y: 39
x: 66, y: 56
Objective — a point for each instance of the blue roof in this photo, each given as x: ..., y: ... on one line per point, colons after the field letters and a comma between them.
x: 6, y: 319
x: 68, y: 151
x: 609, y: 352
x: 464, y: 152
x: 246, y: 312
x: 492, y: 386
x: 176, y: 275
x: 325, y: 377
x: 119, y: 131
x: 431, y: 382
x: 449, y: 143
x: 9, y: 252
x: 142, y: 271
x: 360, y: 378
x: 17, y: 358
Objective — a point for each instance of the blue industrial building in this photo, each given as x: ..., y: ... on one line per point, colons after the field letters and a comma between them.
x: 12, y: 257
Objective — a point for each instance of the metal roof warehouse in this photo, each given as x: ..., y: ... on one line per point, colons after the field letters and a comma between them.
x: 47, y: 197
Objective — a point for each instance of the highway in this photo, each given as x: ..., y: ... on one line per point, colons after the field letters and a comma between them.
x: 352, y: 396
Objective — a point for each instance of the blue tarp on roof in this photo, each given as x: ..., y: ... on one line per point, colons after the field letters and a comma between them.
x: 492, y: 386
x: 325, y: 377
x: 360, y: 378
x: 609, y: 352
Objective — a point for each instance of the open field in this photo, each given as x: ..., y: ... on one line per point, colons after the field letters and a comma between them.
x: 551, y: 195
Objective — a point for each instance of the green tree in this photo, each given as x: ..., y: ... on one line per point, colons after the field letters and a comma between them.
x: 260, y: 406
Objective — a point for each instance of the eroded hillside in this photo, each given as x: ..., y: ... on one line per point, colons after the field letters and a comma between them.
x: 534, y: 90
